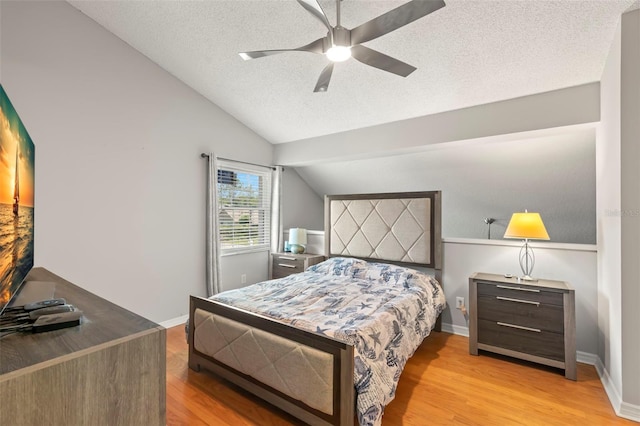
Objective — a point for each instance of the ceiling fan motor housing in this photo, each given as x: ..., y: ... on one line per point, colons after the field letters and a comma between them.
x: 341, y: 37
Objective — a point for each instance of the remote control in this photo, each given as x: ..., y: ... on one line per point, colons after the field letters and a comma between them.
x: 22, y: 317
x: 43, y: 304
x: 34, y: 315
x: 56, y: 321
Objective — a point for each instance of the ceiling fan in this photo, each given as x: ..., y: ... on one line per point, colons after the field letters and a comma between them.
x: 342, y: 43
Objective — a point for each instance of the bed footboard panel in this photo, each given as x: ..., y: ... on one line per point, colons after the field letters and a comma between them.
x: 306, y: 374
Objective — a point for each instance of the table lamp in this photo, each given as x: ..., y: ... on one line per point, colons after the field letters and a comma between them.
x: 297, y: 240
x: 526, y: 226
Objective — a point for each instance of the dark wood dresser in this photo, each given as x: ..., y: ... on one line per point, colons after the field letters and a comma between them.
x: 111, y: 369
x: 530, y: 320
x: 284, y: 264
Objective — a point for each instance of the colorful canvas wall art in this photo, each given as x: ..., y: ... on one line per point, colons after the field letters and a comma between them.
x: 17, y: 181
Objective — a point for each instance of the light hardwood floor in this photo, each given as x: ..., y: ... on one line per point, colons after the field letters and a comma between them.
x: 441, y: 385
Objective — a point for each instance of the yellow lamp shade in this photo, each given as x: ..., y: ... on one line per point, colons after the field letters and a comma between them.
x: 526, y: 226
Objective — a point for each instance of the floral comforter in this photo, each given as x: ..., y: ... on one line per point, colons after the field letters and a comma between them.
x: 384, y: 311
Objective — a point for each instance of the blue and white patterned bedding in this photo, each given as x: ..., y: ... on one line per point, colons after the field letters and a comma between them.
x: 384, y: 311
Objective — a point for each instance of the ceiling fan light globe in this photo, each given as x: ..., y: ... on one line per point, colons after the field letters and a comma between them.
x: 339, y: 53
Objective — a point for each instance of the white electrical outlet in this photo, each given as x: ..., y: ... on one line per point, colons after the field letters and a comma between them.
x: 243, y: 279
x: 459, y: 302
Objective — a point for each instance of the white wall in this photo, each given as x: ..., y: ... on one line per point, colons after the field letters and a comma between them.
x: 120, y: 185
x: 609, y: 225
x: 240, y: 270
x: 566, y: 107
x: 630, y: 187
x: 302, y: 207
x: 535, y: 152
x: 553, y: 175
x: 619, y: 219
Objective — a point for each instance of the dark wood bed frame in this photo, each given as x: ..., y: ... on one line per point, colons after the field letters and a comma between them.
x: 342, y: 353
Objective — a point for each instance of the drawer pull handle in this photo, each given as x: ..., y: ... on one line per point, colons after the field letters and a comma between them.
x: 508, y: 299
x: 287, y: 258
x: 532, y: 290
x: 519, y: 327
x: 284, y: 265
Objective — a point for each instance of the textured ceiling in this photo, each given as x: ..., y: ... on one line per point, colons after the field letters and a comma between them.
x: 468, y: 53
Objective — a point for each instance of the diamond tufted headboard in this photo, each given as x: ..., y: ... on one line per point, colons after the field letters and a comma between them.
x: 403, y: 228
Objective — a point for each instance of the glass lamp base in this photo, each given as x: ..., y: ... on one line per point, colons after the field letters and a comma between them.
x: 527, y: 260
x: 297, y: 249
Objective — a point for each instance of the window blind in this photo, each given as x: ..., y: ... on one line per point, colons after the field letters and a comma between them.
x: 244, y: 207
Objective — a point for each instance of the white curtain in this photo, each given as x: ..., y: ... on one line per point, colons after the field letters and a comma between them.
x: 277, y: 242
x: 213, y: 237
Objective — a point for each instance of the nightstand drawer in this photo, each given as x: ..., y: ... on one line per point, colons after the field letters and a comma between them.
x: 530, y: 341
x: 521, y: 312
x: 522, y: 292
x: 289, y: 262
x: 284, y: 264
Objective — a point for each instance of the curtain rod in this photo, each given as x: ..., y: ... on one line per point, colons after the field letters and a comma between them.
x: 205, y: 155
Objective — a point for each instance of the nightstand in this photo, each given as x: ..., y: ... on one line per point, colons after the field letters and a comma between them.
x: 530, y: 320
x: 284, y: 264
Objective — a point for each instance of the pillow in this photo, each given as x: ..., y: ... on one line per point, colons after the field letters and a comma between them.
x: 345, y: 266
x: 389, y: 274
x: 383, y: 272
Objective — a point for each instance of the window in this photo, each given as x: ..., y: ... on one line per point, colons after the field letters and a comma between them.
x: 244, y: 207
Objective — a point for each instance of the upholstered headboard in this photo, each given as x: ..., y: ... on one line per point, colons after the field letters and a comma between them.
x: 403, y: 227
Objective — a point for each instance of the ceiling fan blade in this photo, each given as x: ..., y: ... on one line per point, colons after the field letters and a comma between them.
x: 313, y: 47
x: 381, y: 61
x: 394, y: 19
x: 325, y: 77
x: 316, y: 10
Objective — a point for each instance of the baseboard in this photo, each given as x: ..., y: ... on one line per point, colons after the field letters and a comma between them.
x: 175, y: 321
x: 622, y: 409
x: 629, y: 411
x: 614, y: 397
x: 587, y: 358
x: 455, y: 329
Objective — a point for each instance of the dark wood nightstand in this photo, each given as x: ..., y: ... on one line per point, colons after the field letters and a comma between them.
x: 530, y: 320
x: 284, y: 264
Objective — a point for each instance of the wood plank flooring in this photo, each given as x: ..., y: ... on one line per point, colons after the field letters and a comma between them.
x: 441, y: 385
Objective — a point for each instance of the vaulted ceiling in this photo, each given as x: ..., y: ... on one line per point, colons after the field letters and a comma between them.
x: 468, y: 53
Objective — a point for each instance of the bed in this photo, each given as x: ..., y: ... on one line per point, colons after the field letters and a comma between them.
x: 328, y: 345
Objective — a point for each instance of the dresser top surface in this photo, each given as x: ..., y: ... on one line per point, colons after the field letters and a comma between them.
x: 101, y: 322
x: 501, y: 279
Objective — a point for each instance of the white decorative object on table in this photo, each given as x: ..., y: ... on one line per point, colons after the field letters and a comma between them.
x: 297, y: 240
